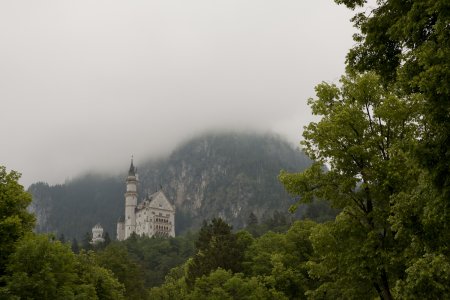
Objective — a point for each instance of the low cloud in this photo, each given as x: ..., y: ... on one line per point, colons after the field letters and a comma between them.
x: 85, y: 84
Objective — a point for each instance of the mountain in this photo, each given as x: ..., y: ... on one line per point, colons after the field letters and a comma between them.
x: 226, y: 175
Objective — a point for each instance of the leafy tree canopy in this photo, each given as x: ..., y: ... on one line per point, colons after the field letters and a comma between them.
x: 15, y: 220
x: 363, y: 135
x: 44, y: 268
x: 408, y: 44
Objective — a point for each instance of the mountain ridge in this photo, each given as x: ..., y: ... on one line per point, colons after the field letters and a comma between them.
x: 228, y: 175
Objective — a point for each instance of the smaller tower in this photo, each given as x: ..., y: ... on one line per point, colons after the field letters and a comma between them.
x: 131, y: 196
x: 97, y: 234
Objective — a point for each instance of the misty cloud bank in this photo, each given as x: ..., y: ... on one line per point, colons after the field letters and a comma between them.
x: 85, y: 84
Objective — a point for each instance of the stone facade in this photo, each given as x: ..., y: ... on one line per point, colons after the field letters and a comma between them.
x: 154, y: 216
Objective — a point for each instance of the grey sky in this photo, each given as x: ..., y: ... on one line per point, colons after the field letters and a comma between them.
x: 84, y: 84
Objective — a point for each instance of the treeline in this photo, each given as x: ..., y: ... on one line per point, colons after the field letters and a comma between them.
x: 229, y: 265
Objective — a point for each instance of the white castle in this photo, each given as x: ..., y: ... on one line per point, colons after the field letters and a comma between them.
x: 154, y: 216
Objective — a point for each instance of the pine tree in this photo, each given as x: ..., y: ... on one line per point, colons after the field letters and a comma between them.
x: 75, y: 246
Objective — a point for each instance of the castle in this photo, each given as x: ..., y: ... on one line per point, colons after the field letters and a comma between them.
x: 154, y: 216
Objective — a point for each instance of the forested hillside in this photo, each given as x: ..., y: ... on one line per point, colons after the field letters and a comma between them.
x: 217, y: 175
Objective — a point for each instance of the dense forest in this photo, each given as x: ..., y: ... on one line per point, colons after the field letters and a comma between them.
x: 384, y: 135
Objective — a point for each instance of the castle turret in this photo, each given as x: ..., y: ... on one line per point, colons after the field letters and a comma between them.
x: 131, y: 196
x: 97, y: 234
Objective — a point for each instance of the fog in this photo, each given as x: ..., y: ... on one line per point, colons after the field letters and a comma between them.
x: 86, y: 84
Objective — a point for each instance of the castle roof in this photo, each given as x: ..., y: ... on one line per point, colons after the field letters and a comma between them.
x: 156, y: 200
x: 132, y: 171
x: 98, y: 226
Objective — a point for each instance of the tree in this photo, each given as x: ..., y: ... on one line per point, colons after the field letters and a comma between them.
x: 75, y: 247
x: 222, y: 284
x: 95, y: 281
x: 408, y: 44
x: 280, y: 260
x: 252, y: 219
x: 116, y: 258
x: 62, y: 238
x: 15, y: 220
x: 42, y: 268
x: 86, y: 242
x: 217, y: 247
x: 363, y: 134
x: 107, y: 239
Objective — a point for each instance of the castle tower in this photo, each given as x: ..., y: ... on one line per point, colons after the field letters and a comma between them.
x: 97, y: 234
x: 131, y: 196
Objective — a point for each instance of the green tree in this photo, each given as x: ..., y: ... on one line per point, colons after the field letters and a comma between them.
x: 174, y: 286
x: 96, y: 282
x: 217, y: 247
x: 363, y: 134
x: 42, y: 268
x: 86, y: 242
x: 222, y: 284
x: 116, y: 258
x: 408, y: 44
x: 15, y: 220
x: 280, y: 260
x: 62, y: 238
x: 75, y: 247
x: 107, y: 239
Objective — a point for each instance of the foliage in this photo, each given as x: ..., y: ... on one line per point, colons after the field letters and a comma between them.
x: 93, y: 277
x: 217, y: 247
x: 280, y: 260
x: 42, y: 268
x: 116, y: 258
x: 363, y: 134
x: 15, y: 220
x: 277, y: 222
x: 222, y: 284
x: 273, y: 267
x: 158, y: 255
x: 412, y: 40
x: 141, y: 262
x: 408, y: 44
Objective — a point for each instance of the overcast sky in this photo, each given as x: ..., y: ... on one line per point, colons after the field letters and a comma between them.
x: 85, y: 84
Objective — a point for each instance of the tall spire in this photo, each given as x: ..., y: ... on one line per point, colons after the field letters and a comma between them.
x: 132, y: 171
